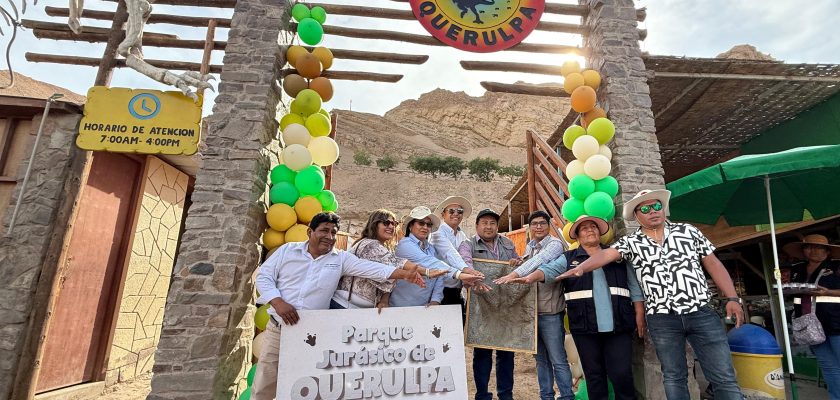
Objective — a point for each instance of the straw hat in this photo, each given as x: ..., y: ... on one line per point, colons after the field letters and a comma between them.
x: 603, y: 226
x: 795, y: 249
x: 462, y: 201
x: 659, y: 194
x: 421, y: 212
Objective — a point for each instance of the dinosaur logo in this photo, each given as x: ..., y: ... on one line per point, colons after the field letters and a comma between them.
x: 436, y: 332
x: 480, y: 26
x: 310, y: 339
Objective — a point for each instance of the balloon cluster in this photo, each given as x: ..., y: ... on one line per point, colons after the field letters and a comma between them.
x: 591, y: 187
x: 297, y: 185
x: 310, y: 23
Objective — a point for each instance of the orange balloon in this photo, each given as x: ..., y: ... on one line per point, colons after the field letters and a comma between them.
x: 325, y: 55
x: 323, y: 87
x: 308, y: 66
x: 294, y: 53
x: 592, y: 114
x: 293, y: 84
x: 583, y: 99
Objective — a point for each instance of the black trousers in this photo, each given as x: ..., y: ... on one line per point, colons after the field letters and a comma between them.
x: 607, y: 355
x: 453, y: 296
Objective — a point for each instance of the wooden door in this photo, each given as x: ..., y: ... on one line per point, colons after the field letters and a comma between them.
x: 79, y: 328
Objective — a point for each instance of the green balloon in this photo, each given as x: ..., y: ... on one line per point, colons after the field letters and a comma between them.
x: 611, y: 215
x: 283, y: 192
x: 571, y: 134
x: 300, y: 12
x: 298, y: 107
x: 251, y: 373
x: 607, y: 185
x: 334, y: 207
x: 310, y: 31
x: 324, y: 113
x: 310, y: 180
x: 319, y: 14
x: 581, y: 186
x: 246, y: 394
x: 599, y: 204
x: 261, y: 317
x: 309, y: 101
x: 572, y: 209
x: 326, y: 198
x: 282, y: 173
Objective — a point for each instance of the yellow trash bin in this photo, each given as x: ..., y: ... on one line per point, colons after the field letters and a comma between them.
x: 757, y: 359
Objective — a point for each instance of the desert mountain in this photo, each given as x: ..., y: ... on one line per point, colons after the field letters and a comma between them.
x: 439, y: 123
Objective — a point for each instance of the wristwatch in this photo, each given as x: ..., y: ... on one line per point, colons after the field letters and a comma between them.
x: 735, y: 299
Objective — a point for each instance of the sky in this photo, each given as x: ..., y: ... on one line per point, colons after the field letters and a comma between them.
x: 787, y: 30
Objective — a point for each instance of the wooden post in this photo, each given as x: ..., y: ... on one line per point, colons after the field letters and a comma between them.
x: 532, y: 191
x: 328, y: 172
x: 109, y: 56
x: 208, y: 51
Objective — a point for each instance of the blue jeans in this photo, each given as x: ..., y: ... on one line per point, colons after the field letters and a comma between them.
x: 828, y: 357
x: 704, y: 331
x: 483, y: 364
x: 552, y: 365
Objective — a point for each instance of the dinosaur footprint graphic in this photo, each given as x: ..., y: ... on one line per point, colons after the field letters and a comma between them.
x: 446, y: 347
x: 310, y: 339
x: 436, y: 332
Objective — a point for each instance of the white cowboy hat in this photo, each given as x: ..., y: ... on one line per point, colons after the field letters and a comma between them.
x: 659, y: 194
x: 461, y: 201
x: 603, y: 226
x: 421, y: 212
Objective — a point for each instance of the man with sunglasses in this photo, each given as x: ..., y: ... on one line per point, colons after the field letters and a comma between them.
x: 669, y: 259
x: 446, y: 240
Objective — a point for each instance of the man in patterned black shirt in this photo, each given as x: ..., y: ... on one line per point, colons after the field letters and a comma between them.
x: 669, y: 259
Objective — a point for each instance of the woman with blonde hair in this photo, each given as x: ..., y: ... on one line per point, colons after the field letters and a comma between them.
x: 379, y: 238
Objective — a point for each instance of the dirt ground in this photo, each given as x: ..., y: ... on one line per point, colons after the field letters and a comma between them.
x: 525, y: 382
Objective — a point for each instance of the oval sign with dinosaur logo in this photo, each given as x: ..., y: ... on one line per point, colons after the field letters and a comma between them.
x: 480, y: 26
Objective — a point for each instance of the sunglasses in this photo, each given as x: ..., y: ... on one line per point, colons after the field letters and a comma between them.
x: 424, y: 223
x: 389, y: 223
x: 645, y: 209
x: 459, y: 211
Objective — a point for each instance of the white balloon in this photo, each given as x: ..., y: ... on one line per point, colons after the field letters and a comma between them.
x: 324, y: 150
x: 257, y: 345
x: 605, y: 151
x: 597, y: 167
x: 296, y: 157
x: 296, y: 134
x: 574, y: 169
x: 584, y: 147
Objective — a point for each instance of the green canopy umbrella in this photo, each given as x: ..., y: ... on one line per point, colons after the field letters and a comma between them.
x: 763, y: 189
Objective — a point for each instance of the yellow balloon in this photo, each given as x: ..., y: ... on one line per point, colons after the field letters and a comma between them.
x: 569, y: 67
x: 306, y: 207
x: 324, y: 150
x: 295, y: 52
x: 289, y: 119
x: 324, y: 55
x: 318, y: 125
x: 574, y: 245
x: 566, y: 230
x: 584, y: 147
x: 608, y: 237
x: 572, y: 82
x: 574, y: 168
x: 297, y: 233
x: 296, y: 157
x: 591, y: 78
x: 597, y: 167
x: 280, y: 217
x: 272, y: 238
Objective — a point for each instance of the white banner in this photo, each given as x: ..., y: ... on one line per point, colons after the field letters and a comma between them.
x: 404, y: 352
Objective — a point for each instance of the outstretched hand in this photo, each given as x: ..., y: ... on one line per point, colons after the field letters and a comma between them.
x: 470, y: 279
x: 506, y: 279
x: 575, y: 272
x: 481, y: 288
x: 472, y: 271
x: 417, y: 280
x: 521, y: 281
x: 435, y: 273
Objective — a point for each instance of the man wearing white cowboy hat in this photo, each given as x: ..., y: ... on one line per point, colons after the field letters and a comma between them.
x: 452, y: 210
x: 669, y: 259
x: 415, y: 247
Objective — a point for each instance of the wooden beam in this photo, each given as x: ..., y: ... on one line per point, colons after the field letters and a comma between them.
x: 353, y: 76
x: 555, y: 176
x: 699, y: 147
x: 532, y: 90
x: 94, y: 62
x: 109, y: 56
x: 153, y: 18
x: 152, y: 41
x: 196, y: 3
x: 361, y: 11
x: 751, y: 77
x: 377, y: 56
x: 209, y: 43
x: 59, y: 27
x: 532, y: 191
x: 527, y: 68
x: 677, y: 98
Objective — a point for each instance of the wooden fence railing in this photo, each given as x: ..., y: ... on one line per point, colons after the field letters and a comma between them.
x: 546, y: 179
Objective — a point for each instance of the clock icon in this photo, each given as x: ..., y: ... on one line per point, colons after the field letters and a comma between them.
x: 144, y: 106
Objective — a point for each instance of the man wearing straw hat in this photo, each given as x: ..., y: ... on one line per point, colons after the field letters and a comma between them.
x: 669, y: 259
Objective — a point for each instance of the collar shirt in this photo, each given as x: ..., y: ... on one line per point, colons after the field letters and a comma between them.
x: 446, y: 241
x: 539, y: 253
x: 308, y: 283
x: 466, y: 249
x: 421, y: 252
x: 671, y: 274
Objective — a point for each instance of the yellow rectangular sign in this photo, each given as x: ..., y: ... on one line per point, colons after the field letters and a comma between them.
x: 140, y: 121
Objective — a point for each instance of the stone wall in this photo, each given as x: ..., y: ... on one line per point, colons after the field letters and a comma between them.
x: 29, y: 254
x: 157, y: 223
x: 204, y: 347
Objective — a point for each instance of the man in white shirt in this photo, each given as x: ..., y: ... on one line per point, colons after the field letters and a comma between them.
x: 304, y: 276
